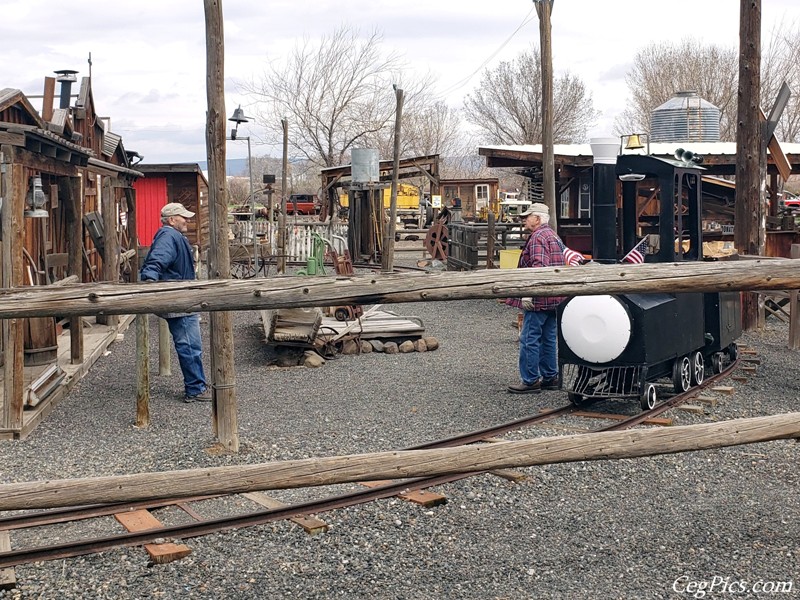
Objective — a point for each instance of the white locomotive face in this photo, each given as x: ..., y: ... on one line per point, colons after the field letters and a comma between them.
x: 596, y: 328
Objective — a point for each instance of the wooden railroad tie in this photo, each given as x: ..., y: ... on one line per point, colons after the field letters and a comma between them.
x: 739, y: 378
x: 748, y: 368
x: 724, y: 389
x: 311, y: 525
x: 424, y: 498
x: 692, y: 408
x: 707, y: 400
x: 8, y: 577
x: 142, y: 520
x: 599, y: 415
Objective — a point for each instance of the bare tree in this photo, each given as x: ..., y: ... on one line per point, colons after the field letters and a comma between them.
x: 661, y: 69
x: 507, y: 105
x: 781, y: 62
x: 337, y: 94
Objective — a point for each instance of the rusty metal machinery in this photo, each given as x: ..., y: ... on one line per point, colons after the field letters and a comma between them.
x: 436, y: 241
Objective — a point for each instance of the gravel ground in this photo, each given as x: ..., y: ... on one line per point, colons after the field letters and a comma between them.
x: 645, y: 528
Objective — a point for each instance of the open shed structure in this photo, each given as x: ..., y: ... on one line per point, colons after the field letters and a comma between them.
x: 574, y: 172
x: 68, y: 214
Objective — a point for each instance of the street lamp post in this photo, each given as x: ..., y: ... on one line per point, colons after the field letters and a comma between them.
x: 238, y: 118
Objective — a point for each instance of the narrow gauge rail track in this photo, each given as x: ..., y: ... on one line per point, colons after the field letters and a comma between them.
x: 90, y: 546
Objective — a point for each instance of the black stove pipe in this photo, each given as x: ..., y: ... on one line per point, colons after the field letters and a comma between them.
x: 66, y: 77
x: 604, y: 199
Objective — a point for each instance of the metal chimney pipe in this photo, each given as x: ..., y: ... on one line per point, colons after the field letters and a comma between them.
x: 66, y: 77
x: 604, y: 199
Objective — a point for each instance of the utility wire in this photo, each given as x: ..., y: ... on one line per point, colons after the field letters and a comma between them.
x: 459, y: 84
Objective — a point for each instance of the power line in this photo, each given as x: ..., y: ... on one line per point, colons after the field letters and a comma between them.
x: 459, y: 84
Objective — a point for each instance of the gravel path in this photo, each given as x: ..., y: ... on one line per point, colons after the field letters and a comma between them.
x: 645, y: 528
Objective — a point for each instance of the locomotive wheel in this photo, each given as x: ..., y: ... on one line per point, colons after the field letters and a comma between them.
x: 733, y: 351
x: 577, y: 399
x: 649, y: 397
x: 698, y: 368
x: 716, y: 362
x: 681, y: 374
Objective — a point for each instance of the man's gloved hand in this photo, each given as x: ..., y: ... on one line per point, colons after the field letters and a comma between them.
x: 527, y: 303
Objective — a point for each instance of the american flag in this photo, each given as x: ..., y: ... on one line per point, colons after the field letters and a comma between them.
x: 572, y: 258
x: 636, y: 255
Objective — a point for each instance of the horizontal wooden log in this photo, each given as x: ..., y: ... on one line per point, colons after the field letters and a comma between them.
x: 396, y: 465
x: 287, y: 292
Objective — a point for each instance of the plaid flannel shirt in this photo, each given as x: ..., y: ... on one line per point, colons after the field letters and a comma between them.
x: 543, y: 249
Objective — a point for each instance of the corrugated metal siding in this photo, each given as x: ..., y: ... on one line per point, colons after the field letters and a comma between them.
x: 151, y: 196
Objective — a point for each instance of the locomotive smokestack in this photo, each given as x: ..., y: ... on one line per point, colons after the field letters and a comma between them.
x: 604, y: 199
x: 66, y: 77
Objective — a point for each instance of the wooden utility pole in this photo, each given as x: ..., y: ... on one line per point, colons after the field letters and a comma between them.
x: 544, y: 8
x: 387, y: 258
x: 751, y: 159
x: 223, y: 376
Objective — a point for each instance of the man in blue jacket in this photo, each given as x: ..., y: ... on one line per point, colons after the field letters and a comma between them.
x: 169, y: 259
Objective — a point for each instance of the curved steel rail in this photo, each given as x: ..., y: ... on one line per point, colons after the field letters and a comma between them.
x: 71, y: 549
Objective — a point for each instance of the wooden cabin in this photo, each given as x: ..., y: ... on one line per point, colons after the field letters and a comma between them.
x: 165, y: 183
x: 68, y: 214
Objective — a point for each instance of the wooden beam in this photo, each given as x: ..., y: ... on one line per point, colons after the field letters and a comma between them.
x: 108, y: 201
x: 288, y: 292
x: 606, y: 445
x: 13, y: 228
x: 71, y: 192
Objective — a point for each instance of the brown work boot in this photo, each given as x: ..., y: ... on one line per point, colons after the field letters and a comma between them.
x: 204, y: 396
x: 525, y: 388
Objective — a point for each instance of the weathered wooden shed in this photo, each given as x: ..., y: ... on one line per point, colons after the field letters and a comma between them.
x: 164, y: 183
x: 67, y: 203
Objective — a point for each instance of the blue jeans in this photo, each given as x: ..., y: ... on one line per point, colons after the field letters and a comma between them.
x: 186, y: 337
x: 537, y: 346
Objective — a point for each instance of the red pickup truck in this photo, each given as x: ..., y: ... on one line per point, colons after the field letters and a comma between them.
x: 302, y: 204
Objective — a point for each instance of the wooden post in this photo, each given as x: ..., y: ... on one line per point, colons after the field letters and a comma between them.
x: 387, y: 255
x: 143, y: 370
x: 282, y: 214
x: 111, y: 243
x: 750, y: 149
x: 133, y: 234
x: 164, y: 349
x: 794, y: 313
x: 13, y: 238
x: 544, y: 8
x: 223, y: 376
x: 72, y: 192
x: 490, y: 233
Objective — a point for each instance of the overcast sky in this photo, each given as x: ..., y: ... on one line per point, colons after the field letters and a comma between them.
x: 148, y: 57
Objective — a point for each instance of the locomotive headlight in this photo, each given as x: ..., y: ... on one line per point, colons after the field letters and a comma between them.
x: 596, y: 328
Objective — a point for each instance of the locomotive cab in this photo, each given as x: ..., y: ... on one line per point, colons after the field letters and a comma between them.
x: 619, y: 346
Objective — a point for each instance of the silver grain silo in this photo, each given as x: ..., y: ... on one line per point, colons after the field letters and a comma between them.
x: 685, y: 117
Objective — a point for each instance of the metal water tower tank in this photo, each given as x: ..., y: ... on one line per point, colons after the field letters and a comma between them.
x: 365, y: 166
x: 685, y: 117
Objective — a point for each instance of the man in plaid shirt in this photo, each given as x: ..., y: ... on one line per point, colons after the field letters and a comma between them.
x: 538, y: 364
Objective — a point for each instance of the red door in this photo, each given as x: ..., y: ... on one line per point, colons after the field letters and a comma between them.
x: 151, y: 196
